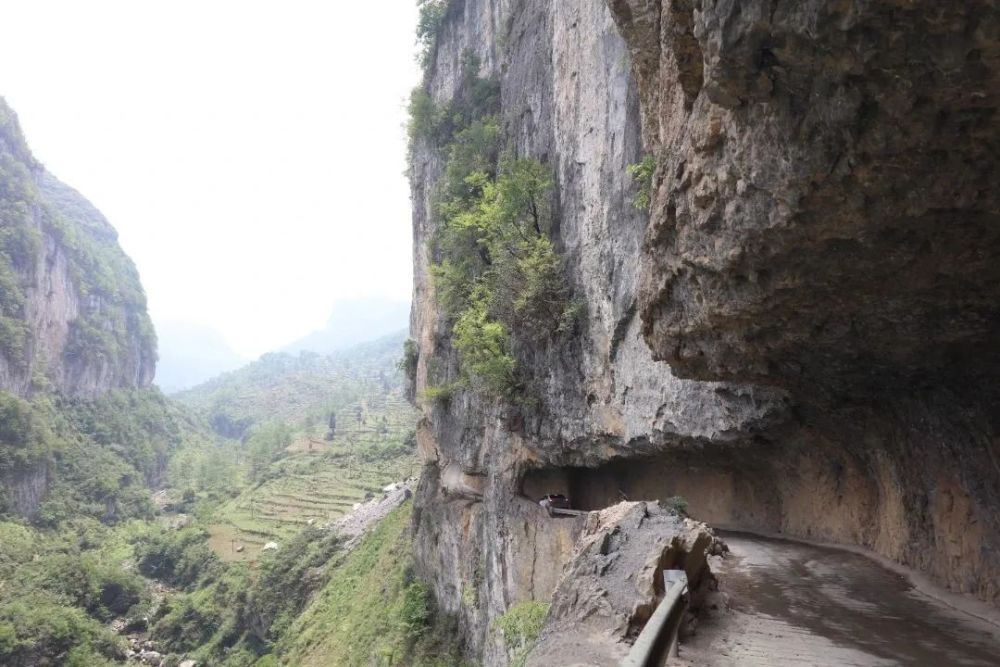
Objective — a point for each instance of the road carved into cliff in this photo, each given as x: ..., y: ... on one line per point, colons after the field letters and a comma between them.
x: 797, y: 604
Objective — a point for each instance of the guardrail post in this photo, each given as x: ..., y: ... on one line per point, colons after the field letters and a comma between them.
x: 658, y: 640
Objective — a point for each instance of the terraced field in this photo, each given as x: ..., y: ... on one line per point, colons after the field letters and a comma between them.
x: 318, y: 481
x: 317, y: 478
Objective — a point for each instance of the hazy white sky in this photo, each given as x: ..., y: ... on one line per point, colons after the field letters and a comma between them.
x: 250, y: 153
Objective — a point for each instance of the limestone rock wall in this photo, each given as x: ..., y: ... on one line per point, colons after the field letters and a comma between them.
x: 797, y: 338
x: 824, y: 210
x: 568, y: 99
x: 72, y: 308
x: 824, y: 220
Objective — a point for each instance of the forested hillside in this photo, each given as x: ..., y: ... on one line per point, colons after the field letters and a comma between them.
x: 318, y: 433
x: 153, y: 527
x: 83, y: 438
x: 302, y: 390
x: 254, y: 568
x: 68, y: 531
x: 132, y: 525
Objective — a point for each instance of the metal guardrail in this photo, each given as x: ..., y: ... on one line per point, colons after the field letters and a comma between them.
x: 553, y: 511
x: 658, y: 640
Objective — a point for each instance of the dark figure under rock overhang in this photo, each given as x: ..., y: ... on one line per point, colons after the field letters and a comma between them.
x: 553, y: 501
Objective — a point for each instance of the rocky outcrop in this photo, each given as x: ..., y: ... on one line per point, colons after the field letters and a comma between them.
x: 568, y: 99
x: 825, y: 210
x: 794, y: 340
x: 25, y: 487
x: 614, y: 582
x: 72, y: 311
x: 824, y: 220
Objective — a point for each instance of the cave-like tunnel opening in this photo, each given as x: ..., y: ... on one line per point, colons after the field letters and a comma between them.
x: 722, y: 494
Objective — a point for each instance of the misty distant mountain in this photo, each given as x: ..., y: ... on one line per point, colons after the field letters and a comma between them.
x: 353, y: 322
x: 303, y: 387
x: 191, y: 354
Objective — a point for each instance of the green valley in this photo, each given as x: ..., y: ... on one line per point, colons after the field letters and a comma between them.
x: 153, y: 526
x: 321, y: 434
x: 199, y: 528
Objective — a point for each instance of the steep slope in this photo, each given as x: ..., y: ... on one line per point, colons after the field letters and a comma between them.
x: 317, y: 434
x: 83, y: 437
x: 311, y: 486
x: 372, y: 610
x: 77, y: 353
x: 796, y: 339
x: 72, y: 311
x: 567, y: 100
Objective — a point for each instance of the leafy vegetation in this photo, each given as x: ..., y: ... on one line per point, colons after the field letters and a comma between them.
x: 82, y: 467
x: 60, y: 589
x: 19, y: 239
x: 178, y: 557
x: 373, y: 611
x: 441, y: 393
x: 520, y: 626
x: 44, y: 633
x: 97, y: 543
x: 125, y: 513
x: 677, y: 504
x: 318, y: 486
x: 266, y: 442
x: 477, y: 100
x: 642, y: 173
x: 286, y: 584
x: 429, y: 20
x: 298, y: 390
x: 497, y: 273
x: 24, y: 432
x: 311, y: 604
x: 408, y: 363
x: 95, y: 456
x: 230, y: 614
x: 318, y: 434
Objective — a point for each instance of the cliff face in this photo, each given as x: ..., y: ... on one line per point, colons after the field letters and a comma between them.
x: 825, y: 208
x: 73, y: 323
x: 795, y: 339
x: 72, y: 311
x: 824, y: 219
x: 569, y: 100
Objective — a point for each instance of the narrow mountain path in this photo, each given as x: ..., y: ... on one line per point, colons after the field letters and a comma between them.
x: 798, y: 604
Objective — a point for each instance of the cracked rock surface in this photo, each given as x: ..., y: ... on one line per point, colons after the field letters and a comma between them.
x: 801, y: 334
x: 614, y: 582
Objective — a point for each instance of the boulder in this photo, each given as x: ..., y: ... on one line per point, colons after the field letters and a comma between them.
x: 612, y: 585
